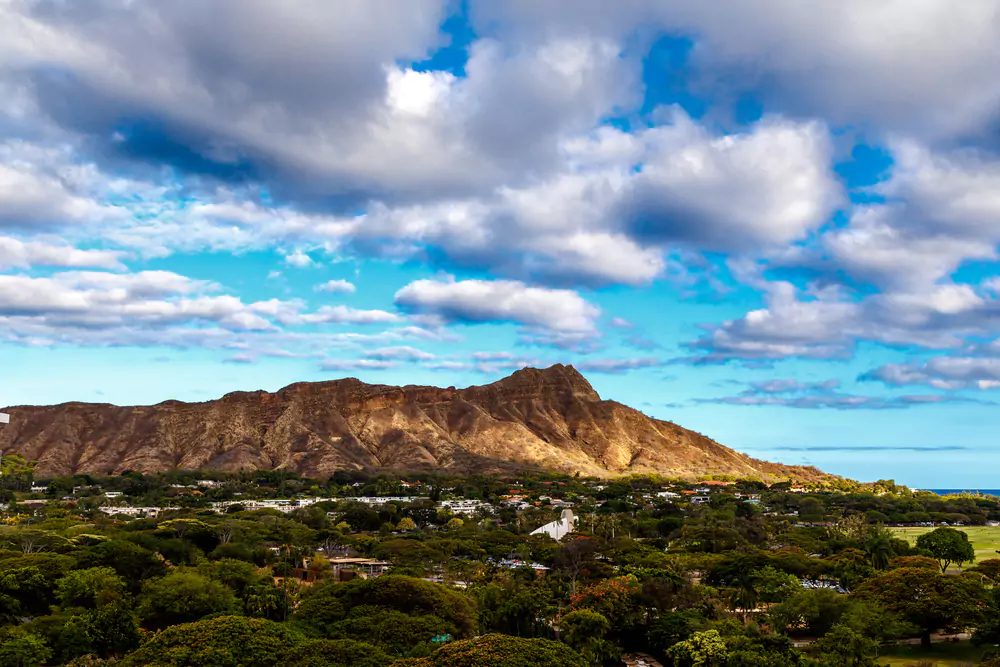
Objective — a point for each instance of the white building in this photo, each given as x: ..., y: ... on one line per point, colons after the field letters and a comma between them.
x: 149, y: 512
x: 466, y: 507
x: 559, y: 529
x: 381, y: 500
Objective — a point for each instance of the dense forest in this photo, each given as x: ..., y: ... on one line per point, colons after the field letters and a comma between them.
x: 365, y: 570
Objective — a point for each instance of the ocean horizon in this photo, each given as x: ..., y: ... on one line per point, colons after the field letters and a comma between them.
x: 945, y: 492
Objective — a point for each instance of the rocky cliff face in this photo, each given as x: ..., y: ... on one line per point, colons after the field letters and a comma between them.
x: 549, y: 418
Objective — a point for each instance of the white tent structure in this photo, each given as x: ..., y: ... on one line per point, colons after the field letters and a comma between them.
x: 558, y: 529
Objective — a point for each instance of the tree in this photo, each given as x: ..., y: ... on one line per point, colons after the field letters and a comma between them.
x: 328, y: 604
x: 615, y: 599
x: 574, y: 556
x: 925, y: 562
x: 843, y: 647
x: 989, y: 568
x: 702, y: 649
x: 89, y: 588
x: 109, y: 630
x: 928, y: 600
x: 878, y: 546
x: 20, y: 648
x: 773, y: 585
x: 585, y: 631
x: 132, y: 562
x: 406, y: 524
x: 948, y: 546
x: 226, y: 641
x: 181, y: 597
x: 811, y: 611
x: 320, y: 566
x: 334, y: 653
x: 496, y: 650
x: 673, y: 627
x: 22, y: 592
x: 266, y: 600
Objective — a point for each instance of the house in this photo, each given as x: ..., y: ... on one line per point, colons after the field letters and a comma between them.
x: 146, y: 512
x: 700, y: 500
x: 366, y: 568
x: 667, y: 495
x: 559, y: 529
x: 112, y: 494
x: 38, y: 489
x: 466, y: 507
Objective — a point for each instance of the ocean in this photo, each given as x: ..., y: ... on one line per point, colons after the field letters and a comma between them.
x: 985, y: 492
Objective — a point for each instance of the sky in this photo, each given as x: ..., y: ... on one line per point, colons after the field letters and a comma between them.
x: 775, y: 223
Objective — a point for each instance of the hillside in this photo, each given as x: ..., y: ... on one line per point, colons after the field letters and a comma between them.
x: 549, y: 418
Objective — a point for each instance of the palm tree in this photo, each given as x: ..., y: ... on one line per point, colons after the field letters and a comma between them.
x: 878, y: 546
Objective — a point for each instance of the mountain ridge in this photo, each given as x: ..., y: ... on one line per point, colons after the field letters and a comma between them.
x: 534, y: 418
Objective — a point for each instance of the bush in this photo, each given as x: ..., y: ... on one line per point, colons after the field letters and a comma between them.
x: 227, y: 641
x: 182, y: 597
x: 495, y: 650
x: 334, y: 653
x: 329, y: 603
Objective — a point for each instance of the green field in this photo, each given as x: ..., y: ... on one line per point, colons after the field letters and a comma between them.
x: 944, y: 654
x: 985, y: 539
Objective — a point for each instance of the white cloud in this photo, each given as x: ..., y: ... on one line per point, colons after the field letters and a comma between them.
x: 399, y: 353
x: 299, y: 260
x: 356, y: 364
x: 341, y: 315
x: 25, y: 254
x: 336, y: 287
x: 767, y: 187
x: 500, y: 301
x: 924, y: 67
x: 942, y: 373
x: 93, y: 300
x: 618, y: 366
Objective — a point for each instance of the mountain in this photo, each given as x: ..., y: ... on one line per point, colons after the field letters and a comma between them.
x: 549, y: 418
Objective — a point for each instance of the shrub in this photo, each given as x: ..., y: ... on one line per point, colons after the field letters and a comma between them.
x: 495, y: 650
x: 227, y: 641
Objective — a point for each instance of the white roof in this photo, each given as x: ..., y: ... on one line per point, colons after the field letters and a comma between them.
x: 4, y: 418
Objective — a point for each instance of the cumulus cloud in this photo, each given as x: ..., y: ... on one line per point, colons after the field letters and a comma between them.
x: 941, y: 373
x: 341, y: 315
x: 25, y: 254
x: 852, y: 60
x: 94, y: 300
x: 477, y: 301
x: 764, y: 188
x: 336, y: 287
x: 299, y: 260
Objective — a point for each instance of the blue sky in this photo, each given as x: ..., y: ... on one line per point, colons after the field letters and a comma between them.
x: 773, y: 223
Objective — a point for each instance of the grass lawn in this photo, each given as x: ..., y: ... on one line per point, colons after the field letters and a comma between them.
x: 985, y: 539
x: 943, y: 654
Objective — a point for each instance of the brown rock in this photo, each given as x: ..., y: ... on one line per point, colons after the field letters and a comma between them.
x: 549, y: 418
